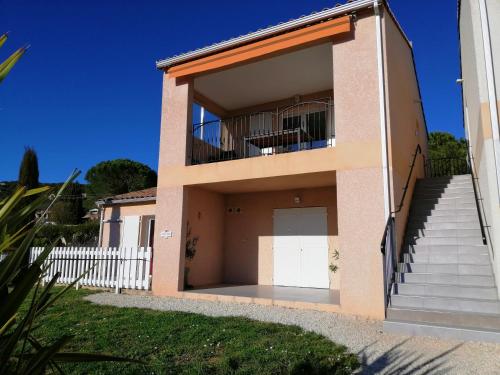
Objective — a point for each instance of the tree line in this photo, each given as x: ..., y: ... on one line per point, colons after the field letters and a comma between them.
x: 104, y: 179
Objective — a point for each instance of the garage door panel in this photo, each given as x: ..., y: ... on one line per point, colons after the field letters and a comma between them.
x: 286, y: 267
x: 314, y: 268
x: 301, y: 247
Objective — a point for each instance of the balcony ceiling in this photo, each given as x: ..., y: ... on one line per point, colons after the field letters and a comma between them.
x: 300, y: 72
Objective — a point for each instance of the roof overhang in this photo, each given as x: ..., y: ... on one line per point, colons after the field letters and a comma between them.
x: 269, y: 32
x: 266, y: 48
x: 111, y: 202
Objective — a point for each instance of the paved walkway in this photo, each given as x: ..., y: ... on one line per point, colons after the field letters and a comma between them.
x: 379, y: 352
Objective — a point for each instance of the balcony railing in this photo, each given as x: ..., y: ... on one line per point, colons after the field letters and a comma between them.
x: 302, y: 126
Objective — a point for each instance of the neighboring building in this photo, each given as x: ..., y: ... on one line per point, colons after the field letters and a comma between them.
x: 282, y: 146
x: 91, y: 215
x: 128, y: 219
x: 479, y: 29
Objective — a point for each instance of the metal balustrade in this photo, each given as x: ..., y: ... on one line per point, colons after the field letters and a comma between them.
x: 302, y: 126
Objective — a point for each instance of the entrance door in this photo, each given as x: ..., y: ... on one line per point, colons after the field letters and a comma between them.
x: 301, y: 247
x: 130, y: 231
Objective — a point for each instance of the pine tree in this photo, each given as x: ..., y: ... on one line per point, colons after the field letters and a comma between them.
x: 28, y: 172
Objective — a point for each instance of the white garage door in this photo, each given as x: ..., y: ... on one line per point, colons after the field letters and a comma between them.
x: 300, y: 247
x: 130, y: 231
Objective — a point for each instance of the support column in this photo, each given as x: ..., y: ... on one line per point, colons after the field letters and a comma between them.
x: 361, y: 225
x: 360, y: 190
x: 171, y: 200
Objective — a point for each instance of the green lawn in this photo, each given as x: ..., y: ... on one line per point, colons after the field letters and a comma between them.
x: 182, y: 343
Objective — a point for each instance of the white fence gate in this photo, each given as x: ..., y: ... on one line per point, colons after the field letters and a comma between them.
x: 108, y: 267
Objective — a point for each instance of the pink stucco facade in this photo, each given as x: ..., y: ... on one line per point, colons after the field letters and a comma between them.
x: 113, y: 215
x: 236, y: 246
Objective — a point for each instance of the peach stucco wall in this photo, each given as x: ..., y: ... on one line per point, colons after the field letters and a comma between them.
x: 171, y: 210
x: 248, y: 238
x: 406, y: 123
x: 111, y: 232
x: 360, y: 196
x: 206, y: 219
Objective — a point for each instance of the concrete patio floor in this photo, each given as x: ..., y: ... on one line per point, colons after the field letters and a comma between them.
x: 275, y: 293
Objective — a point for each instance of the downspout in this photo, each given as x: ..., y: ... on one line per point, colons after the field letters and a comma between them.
x: 490, y: 82
x: 382, y: 109
x: 101, y: 219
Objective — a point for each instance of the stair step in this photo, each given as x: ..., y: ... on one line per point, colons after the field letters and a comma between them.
x: 426, y: 211
x: 444, y: 232
x: 446, y: 290
x: 445, y: 284
x: 414, y: 224
x: 445, y: 278
x: 446, y: 303
x: 443, y: 190
x: 441, y: 331
x: 436, y: 199
x: 447, y: 258
x: 455, y: 318
x: 429, y: 184
x: 456, y: 269
x: 447, y: 249
x: 464, y: 218
x: 454, y: 178
x: 450, y: 204
x: 476, y: 240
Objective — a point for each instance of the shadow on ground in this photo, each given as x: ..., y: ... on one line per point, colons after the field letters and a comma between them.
x: 398, y: 360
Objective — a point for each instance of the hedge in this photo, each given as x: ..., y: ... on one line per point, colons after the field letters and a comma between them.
x: 85, y: 234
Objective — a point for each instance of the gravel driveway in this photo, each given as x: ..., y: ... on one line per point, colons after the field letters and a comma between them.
x: 379, y: 352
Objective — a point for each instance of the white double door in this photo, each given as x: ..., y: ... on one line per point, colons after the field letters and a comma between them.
x: 130, y: 231
x: 300, y: 247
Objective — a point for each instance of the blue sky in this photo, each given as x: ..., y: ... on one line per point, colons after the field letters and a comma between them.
x: 88, y: 90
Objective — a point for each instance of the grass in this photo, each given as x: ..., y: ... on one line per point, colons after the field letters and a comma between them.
x: 183, y: 343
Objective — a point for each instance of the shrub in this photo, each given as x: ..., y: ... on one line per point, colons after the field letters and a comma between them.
x: 86, y: 234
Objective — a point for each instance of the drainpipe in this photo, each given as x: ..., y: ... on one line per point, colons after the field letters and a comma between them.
x: 490, y: 82
x: 382, y: 109
x: 101, y: 220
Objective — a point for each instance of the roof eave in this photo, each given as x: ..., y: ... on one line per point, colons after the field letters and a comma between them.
x: 280, y: 28
x: 110, y: 202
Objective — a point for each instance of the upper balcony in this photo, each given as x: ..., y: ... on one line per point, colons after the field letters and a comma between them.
x: 275, y: 105
x: 304, y: 125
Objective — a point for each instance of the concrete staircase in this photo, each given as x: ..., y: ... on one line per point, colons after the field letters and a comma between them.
x: 445, y: 285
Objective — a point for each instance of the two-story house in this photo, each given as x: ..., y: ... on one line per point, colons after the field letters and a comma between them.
x: 283, y: 154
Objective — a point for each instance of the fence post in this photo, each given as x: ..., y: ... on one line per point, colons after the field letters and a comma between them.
x: 77, y: 265
x: 119, y: 271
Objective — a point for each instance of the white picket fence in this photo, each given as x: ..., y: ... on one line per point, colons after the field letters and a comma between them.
x: 108, y: 267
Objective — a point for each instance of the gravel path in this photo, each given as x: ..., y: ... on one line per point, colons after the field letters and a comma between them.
x: 379, y: 352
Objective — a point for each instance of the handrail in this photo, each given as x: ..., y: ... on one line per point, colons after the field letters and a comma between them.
x: 476, y: 196
x: 418, y: 150
x: 384, y: 236
x: 390, y: 261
